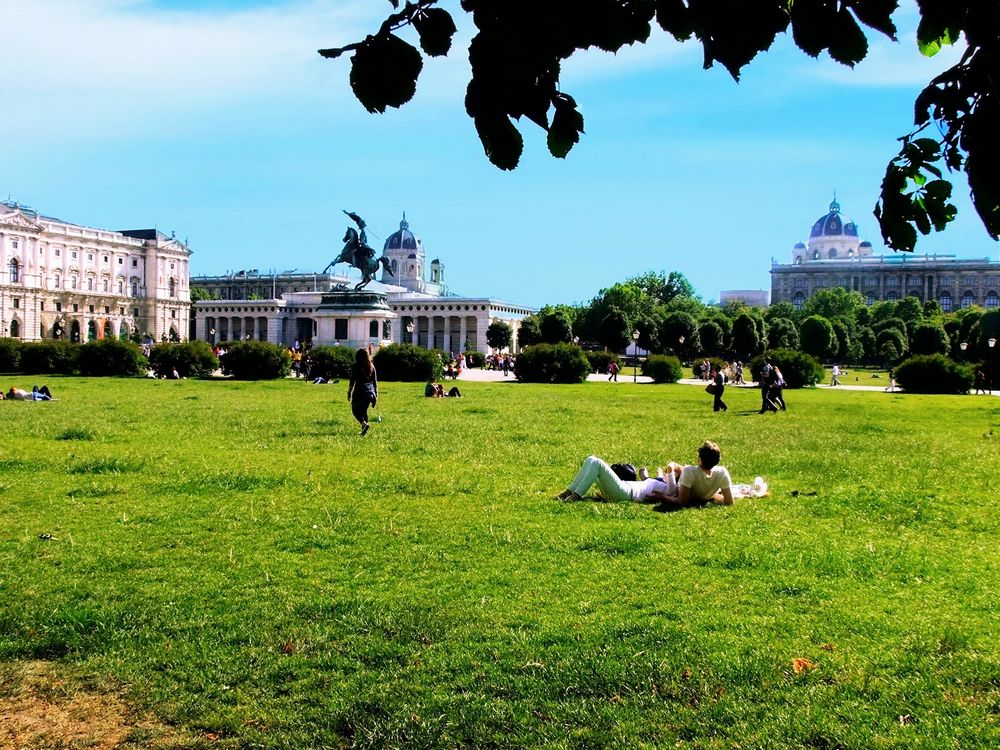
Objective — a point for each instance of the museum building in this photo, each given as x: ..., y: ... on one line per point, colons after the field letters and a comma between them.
x: 289, y: 306
x: 835, y: 257
x: 60, y: 280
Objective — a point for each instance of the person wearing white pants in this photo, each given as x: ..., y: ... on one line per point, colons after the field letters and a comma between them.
x: 596, y: 471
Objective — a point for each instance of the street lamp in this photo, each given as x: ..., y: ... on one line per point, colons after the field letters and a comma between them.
x: 963, y: 346
x: 635, y: 353
x: 991, y: 342
x: 410, y: 329
x: 680, y: 348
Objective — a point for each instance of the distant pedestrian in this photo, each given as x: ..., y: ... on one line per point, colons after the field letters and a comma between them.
x: 719, y: 383
x: 613, y: 371
x: 835, y: 380
x: 980, y: 382
x: 892, y: 380
x: 362, y: 390
x: 765, y: 384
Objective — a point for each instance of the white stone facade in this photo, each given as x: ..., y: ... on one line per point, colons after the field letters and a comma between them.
x: 835, y: 257
x: 63, y: 280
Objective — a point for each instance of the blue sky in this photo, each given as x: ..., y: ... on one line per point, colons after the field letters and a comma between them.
x: 218, y: 120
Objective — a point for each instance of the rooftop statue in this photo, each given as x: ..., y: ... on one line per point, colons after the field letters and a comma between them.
x: 359, y: 254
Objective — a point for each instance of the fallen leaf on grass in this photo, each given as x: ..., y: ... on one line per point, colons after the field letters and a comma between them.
x: 905, y: 720
x: 686, y: 674
x: 828, y: 647
x: 800, y: 665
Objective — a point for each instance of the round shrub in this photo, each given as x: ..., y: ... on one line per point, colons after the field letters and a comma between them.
x: 111, y: 358
x: 192, y: 359
x: 600, y: 361
x: 797, y: 368
x: 475, y: 359
x: 663, y: 368
x: 256, y: 360
x: 10, y: 355
x: 929, y: 338
x: 933, y: 373
x: 329, y: 362
x: 552, y: 363
x: 49, y: 357
x: 407, y: 363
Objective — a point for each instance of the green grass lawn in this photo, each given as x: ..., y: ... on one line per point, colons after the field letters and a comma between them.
x: 234, y: 559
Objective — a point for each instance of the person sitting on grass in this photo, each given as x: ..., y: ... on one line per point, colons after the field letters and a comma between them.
x: 596, y: 471
x: 433, y: 390
x: 709, y: 482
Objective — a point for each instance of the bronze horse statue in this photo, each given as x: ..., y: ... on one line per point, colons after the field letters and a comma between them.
x: 357, y: 253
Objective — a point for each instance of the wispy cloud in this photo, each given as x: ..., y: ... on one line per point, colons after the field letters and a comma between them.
x: 115, y: 61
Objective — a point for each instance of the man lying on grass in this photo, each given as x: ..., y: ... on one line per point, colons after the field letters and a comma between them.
x: 694, y: 486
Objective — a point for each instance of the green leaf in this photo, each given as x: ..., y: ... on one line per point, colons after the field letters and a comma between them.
x: 939, y: 190
x: 566, y: 127
x: 848, y: 44
x: 501, y: 141
x: 384, y: 72
x: 436, y: 29
x: 876, y: 14
x: 676, y: 18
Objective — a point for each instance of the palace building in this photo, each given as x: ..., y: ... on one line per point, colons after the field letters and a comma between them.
x: 64, y: 280
x: 835, y: 257
x: 289, y: 306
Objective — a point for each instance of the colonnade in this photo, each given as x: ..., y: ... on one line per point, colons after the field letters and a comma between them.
x: 449, y: 333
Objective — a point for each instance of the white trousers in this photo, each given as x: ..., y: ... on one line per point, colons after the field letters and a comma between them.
x: 594, y: 470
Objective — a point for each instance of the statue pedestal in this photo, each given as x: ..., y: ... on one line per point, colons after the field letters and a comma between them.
x: 353, y: 318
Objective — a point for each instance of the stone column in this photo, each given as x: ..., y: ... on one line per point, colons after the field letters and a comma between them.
x: 462, y: 333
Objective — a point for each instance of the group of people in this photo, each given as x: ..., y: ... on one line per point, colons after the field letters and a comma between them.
x: 674, y: 487
x: 36, y: 394
x: 772, y: 388
x: 499, y: 362
x: 732, y: 372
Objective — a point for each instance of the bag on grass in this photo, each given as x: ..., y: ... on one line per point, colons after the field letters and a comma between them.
x: 625, y: 472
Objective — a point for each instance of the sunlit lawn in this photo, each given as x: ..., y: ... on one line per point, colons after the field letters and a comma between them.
x: 233, y: 558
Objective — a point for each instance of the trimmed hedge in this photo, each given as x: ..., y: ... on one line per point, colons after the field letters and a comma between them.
x: 552, y: 363
x: 933, y: 373
x: 193, y: 359
x: 600, y: 361
x: 256, y: 360
x: 407, y: 363
x: 111, y: 357
x: 49, y: 357
x: 10, y: 355
x: 329, y: 362
x: 798, y: 369
x: 663, y: 368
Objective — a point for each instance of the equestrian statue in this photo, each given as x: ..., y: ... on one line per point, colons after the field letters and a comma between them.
x: 357, y: 253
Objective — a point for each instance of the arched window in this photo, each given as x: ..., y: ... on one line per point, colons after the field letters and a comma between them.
x: 373, y: 329
x: 992, y: 299
x: 816, y: 255
x: 15, y: 329
x: 944, y: 299
x: 15, y: 271
x: 798, y: 261
x: 892, y: 296
x: 850, y: 253
x: 968, y: 299
x: 870, y: 299
x: 395, y: 268
x: 799, y: 300
x: 833, y: 253
x: 91, y: 331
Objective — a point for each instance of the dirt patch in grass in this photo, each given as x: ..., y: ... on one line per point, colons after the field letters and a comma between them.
x: 39, y: 709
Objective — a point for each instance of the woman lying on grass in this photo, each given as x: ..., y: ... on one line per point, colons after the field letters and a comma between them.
x: 679, y: 487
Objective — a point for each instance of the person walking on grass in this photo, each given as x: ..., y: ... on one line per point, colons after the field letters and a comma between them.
x: 835, y: 380
x: 613, y: 371
x: 362, y: 390
x: 719, y: 383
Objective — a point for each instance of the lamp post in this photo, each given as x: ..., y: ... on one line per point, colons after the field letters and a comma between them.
x: 680, y: 349
x: 963, y: 346
x: 635, y: 353
x: 409, y: 329
x: 991, y: 342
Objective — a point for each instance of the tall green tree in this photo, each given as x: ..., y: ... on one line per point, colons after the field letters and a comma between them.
x: 529, y: 332
x: 817, y: 338
x: 555, y: 327
x: 677, y: 326
x: 518, y: 48
x: 835, y: 303
x: 615, y: 331
x: 747, y: 339
x: 499, y: 335
x: 782, y: 334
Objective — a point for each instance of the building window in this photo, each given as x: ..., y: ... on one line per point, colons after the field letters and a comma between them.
x: 373, y: 329
x: 121, y: 261
x: 121, y: 287
x: 892, y: 296
x: 17, y: 302
x: 992, y: 300
x: 58, y: 306
x: 15, y: 329
x: 90, y: 256
x: 58, y: 252
x: 870, y: 299
x: 90, y: 285
x: 892, y: 281
x: 107, y: 310
x: 15, y: 271
x: 944, y: 299
x: 105, y: 285
x: 13, y: 244
x: 135, y: 289
x: 41, y: 306
x: 799, y: 300
x: 72, y: 255
x: 105, y: 258
x: 832, y: 254
x: 172, y: 287
x: 135, y: 263
x: 340, y: 329
x: 968, y: 299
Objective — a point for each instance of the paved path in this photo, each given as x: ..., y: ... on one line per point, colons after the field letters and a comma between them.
x: 481, y: 375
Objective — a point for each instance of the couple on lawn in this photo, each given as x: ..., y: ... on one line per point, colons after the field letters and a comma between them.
x: 676, y: 487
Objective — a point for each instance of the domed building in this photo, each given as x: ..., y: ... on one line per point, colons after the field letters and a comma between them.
x: 406, y: 257
x: 834, y: 256
x: 832, y: 237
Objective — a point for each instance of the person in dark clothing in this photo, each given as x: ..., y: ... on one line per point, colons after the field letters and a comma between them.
x: 362, y: 390
x: 720, y: 388
x: 765, y: 385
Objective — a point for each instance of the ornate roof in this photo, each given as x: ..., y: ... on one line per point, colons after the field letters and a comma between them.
x: 403, y: 239
x: 833, y: 224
